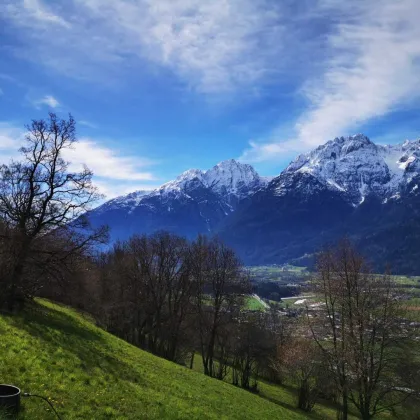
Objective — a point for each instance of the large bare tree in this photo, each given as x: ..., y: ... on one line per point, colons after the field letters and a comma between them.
x: 221, y: 285
x: 42, y: 206
x: 359, y: 331
x: 148, y: 292
x: 301, y: 362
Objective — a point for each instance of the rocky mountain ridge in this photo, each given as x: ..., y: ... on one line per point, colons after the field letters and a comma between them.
x: 195, y: 202
x: 357, y: 167
x: 348, y: 186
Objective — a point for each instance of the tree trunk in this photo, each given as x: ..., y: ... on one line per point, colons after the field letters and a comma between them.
x: 303, y: 399
x: 210, y: 353
x: 15, y: 297
x: 344, y: 409
x: 192, y: 360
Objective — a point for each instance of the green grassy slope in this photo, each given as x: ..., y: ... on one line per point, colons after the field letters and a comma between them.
x: 253, y: 304
x: 286, y: 395
x: 89, y: 374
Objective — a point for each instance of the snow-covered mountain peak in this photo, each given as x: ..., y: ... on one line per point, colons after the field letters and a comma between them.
x: 229, y: 180
x: 337, y: 154
x: 227, y: 177
x: 228, y: 163
x: 181, y: 182
x: 232, y: 177
x: 125, y: 201
x: 232, y: 166
x: 189, y: 175
x: 357, y: 167
x: 403, y: 160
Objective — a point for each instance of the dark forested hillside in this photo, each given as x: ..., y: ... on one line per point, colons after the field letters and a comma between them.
x: 279, y: 229
x: 346, y: 187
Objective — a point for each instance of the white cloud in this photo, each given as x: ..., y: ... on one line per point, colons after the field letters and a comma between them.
x: 10, y: 79
x: 261, y: 152
x: 30, y: 12
x: 47, y: 100
x: 7, y: 77
x: 118, y: 188
x: 212, y: 46
x: 11, y: 139
x: 114, y: 172
x: 86, y: 124
x: 373, y: 67
x: 107, y: 163
x: 355, y: 60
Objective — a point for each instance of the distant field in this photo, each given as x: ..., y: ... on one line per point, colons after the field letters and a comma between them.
x: 413, y: 308
x: 284, y: 274
x: 411, y: 287
x: 288, y: 274
x: 254, y: 304
x: 407, y: 280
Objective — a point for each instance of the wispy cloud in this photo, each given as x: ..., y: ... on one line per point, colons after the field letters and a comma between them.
x: 108, y: 163
x: 212, y: 46
x: 7, y: 77
x: 86, y: 124
x: 115, y: 172
x: 118, y: 188
x: 47, y: 100
x: 11, y: 139
x: 34, y: 12
x: 372, y: 68
x: 355, y: 61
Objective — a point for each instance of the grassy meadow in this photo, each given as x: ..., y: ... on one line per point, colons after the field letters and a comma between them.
x: 283, y: 274
x: 87, y: 373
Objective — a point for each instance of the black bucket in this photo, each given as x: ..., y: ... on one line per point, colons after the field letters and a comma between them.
x: 9, y: 400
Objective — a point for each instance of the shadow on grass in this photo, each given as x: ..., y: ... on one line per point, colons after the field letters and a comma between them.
x: 281, y: 403
x: 314, y: 414
x: 59, y: 330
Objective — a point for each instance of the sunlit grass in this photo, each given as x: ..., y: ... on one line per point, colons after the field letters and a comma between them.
x: 253, y: 304
x: 89, y: 374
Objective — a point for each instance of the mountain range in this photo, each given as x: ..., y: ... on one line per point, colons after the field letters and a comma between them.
x: 349, y: 186
x: 195, y: 202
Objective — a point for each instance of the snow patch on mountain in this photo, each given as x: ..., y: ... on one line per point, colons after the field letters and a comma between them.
x: 357, y: 167
x: 353, y: 166
x: 124, y: 201
x: 231, y: 180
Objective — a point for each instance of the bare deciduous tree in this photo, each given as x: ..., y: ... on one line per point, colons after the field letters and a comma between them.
x: 301, y: 363
x: 359, y: 331
x: 148, y: 292
x: 252, y: 346
x: 221, y: 284
x: 40, y: 198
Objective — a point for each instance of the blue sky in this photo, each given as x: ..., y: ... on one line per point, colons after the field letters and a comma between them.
x: 161, y: 86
